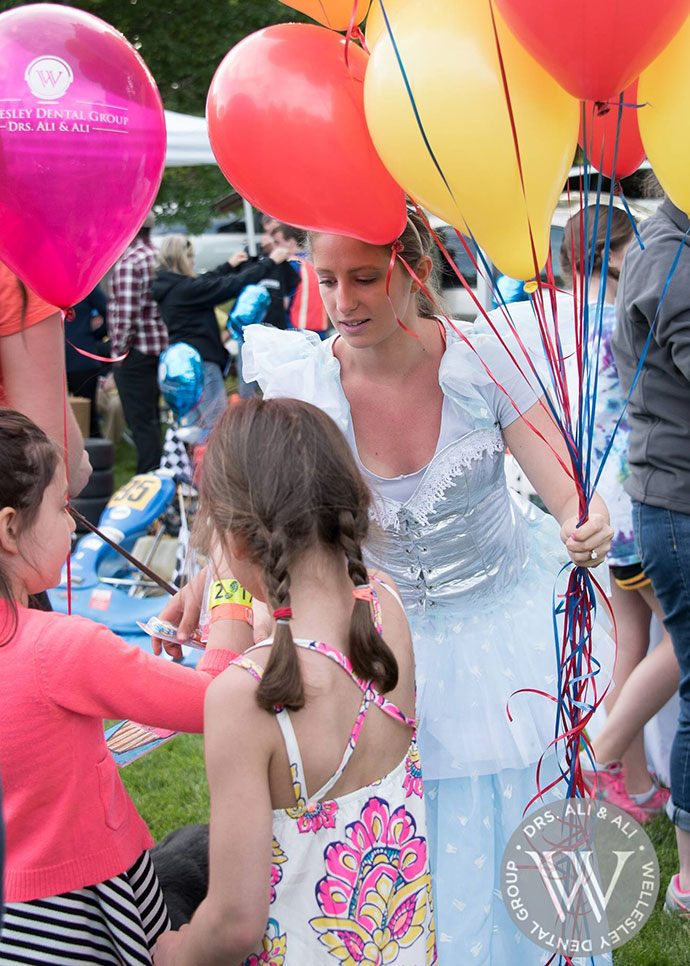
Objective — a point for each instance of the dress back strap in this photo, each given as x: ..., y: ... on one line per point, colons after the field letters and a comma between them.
x: 394, y: 594
x: 366, y: 687
x: 351, y: 745
x: 256, y: 671
x: 286, y: 728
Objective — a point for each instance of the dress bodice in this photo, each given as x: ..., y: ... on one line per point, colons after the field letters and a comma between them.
x: 459, y: 534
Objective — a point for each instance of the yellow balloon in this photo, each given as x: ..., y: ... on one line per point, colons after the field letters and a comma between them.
x: 376, y: 25
x: 450, y: 59
x: 335, y: 14
x: 664, y: 92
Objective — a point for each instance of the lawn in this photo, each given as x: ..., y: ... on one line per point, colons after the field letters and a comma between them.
x: 169, y: 789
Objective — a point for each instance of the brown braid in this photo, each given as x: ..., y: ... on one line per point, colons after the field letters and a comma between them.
x: 371, y: 657
x: 282, y: 683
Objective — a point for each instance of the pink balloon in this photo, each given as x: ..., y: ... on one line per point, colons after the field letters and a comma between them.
x: 82, y: 148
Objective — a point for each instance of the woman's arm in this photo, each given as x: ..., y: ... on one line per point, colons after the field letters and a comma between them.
x: 32, y: 362
x: 213, y: 289
x: 538, y: 460
x: 229, y: 923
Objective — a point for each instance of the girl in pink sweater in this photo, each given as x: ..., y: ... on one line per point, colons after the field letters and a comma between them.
x: 79, y: 884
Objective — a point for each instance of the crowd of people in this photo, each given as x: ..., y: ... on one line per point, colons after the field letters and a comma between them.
x: 364, y: 776
x: 155, y: 298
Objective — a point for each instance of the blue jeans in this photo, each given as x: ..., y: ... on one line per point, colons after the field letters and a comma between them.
x: 214, y: 397
x: 246, y: 389
x: 663, y: 537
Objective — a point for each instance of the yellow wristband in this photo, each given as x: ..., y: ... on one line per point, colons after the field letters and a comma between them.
x: 228, y: 592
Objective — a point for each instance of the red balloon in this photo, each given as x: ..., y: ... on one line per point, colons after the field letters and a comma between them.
x: 598, y: 136
x: 594, y: 49
x: 286, y: 124
x: 82, y: 147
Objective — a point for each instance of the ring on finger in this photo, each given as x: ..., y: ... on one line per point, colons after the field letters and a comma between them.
x: 594, y: 555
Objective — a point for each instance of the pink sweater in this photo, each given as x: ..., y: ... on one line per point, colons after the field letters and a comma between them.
x: 70, y: 823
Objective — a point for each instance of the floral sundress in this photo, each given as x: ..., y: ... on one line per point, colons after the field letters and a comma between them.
x: 350, y: 879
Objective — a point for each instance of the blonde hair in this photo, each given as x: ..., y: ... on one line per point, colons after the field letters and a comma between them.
x: 417, y: 243
x: 177, y: 255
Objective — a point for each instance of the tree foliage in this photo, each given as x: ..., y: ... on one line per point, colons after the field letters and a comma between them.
x: 183, y: 42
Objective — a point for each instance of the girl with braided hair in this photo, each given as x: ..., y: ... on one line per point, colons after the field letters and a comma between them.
x: 318, y: 850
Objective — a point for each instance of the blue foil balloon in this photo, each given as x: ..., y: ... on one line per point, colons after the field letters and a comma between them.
x: 181, y: 377
x: 249, y: 309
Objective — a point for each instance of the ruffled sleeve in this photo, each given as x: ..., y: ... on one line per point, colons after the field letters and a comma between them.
x: 296, y: 365
x: 495, y: 377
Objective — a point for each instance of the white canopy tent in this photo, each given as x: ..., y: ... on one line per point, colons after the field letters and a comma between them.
x: 188, y: 144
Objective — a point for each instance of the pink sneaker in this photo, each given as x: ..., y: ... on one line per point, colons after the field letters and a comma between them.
x: 677, y: 903
x: 605, y: 778
x: 641, y: 813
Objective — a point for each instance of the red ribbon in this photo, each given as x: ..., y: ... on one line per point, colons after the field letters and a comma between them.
x: 397, y: 248
x: 92, y: 355
x: 353, y: 33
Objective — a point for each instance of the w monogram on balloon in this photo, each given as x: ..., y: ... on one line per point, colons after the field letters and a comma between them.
x: 49, y: 77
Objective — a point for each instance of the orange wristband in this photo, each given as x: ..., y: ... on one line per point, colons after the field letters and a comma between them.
x: 233, y: 612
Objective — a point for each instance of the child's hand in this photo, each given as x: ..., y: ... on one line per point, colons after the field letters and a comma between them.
x: 183, y: 610
x: 588, y: 544
x: 167, y: 944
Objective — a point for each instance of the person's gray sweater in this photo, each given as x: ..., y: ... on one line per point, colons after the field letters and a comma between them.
x: 659, y: 409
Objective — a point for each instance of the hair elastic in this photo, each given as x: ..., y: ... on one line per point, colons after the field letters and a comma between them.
x: 283, y: 615
x: 363, y: 592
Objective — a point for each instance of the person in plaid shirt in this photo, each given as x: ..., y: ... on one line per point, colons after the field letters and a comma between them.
x: 136, y: 328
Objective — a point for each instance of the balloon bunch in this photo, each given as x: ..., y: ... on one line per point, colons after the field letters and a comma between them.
x: 472, y: 109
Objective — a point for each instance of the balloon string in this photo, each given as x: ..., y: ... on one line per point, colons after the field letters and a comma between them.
x: 413, y: 103
x: 461, y: 335
x: 108, y: 360
x: 513, y: 128
x: 353, y: 33
x: 545, y: 401
x: 396, y: 252
x: 66, y: 445
x: 552, y: 346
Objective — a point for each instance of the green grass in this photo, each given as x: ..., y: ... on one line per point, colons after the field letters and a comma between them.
x: 125, y: 463
x: 169, y: 785
x: 664, y: 940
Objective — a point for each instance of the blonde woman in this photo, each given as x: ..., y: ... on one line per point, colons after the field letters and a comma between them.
x: 187, y: 301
